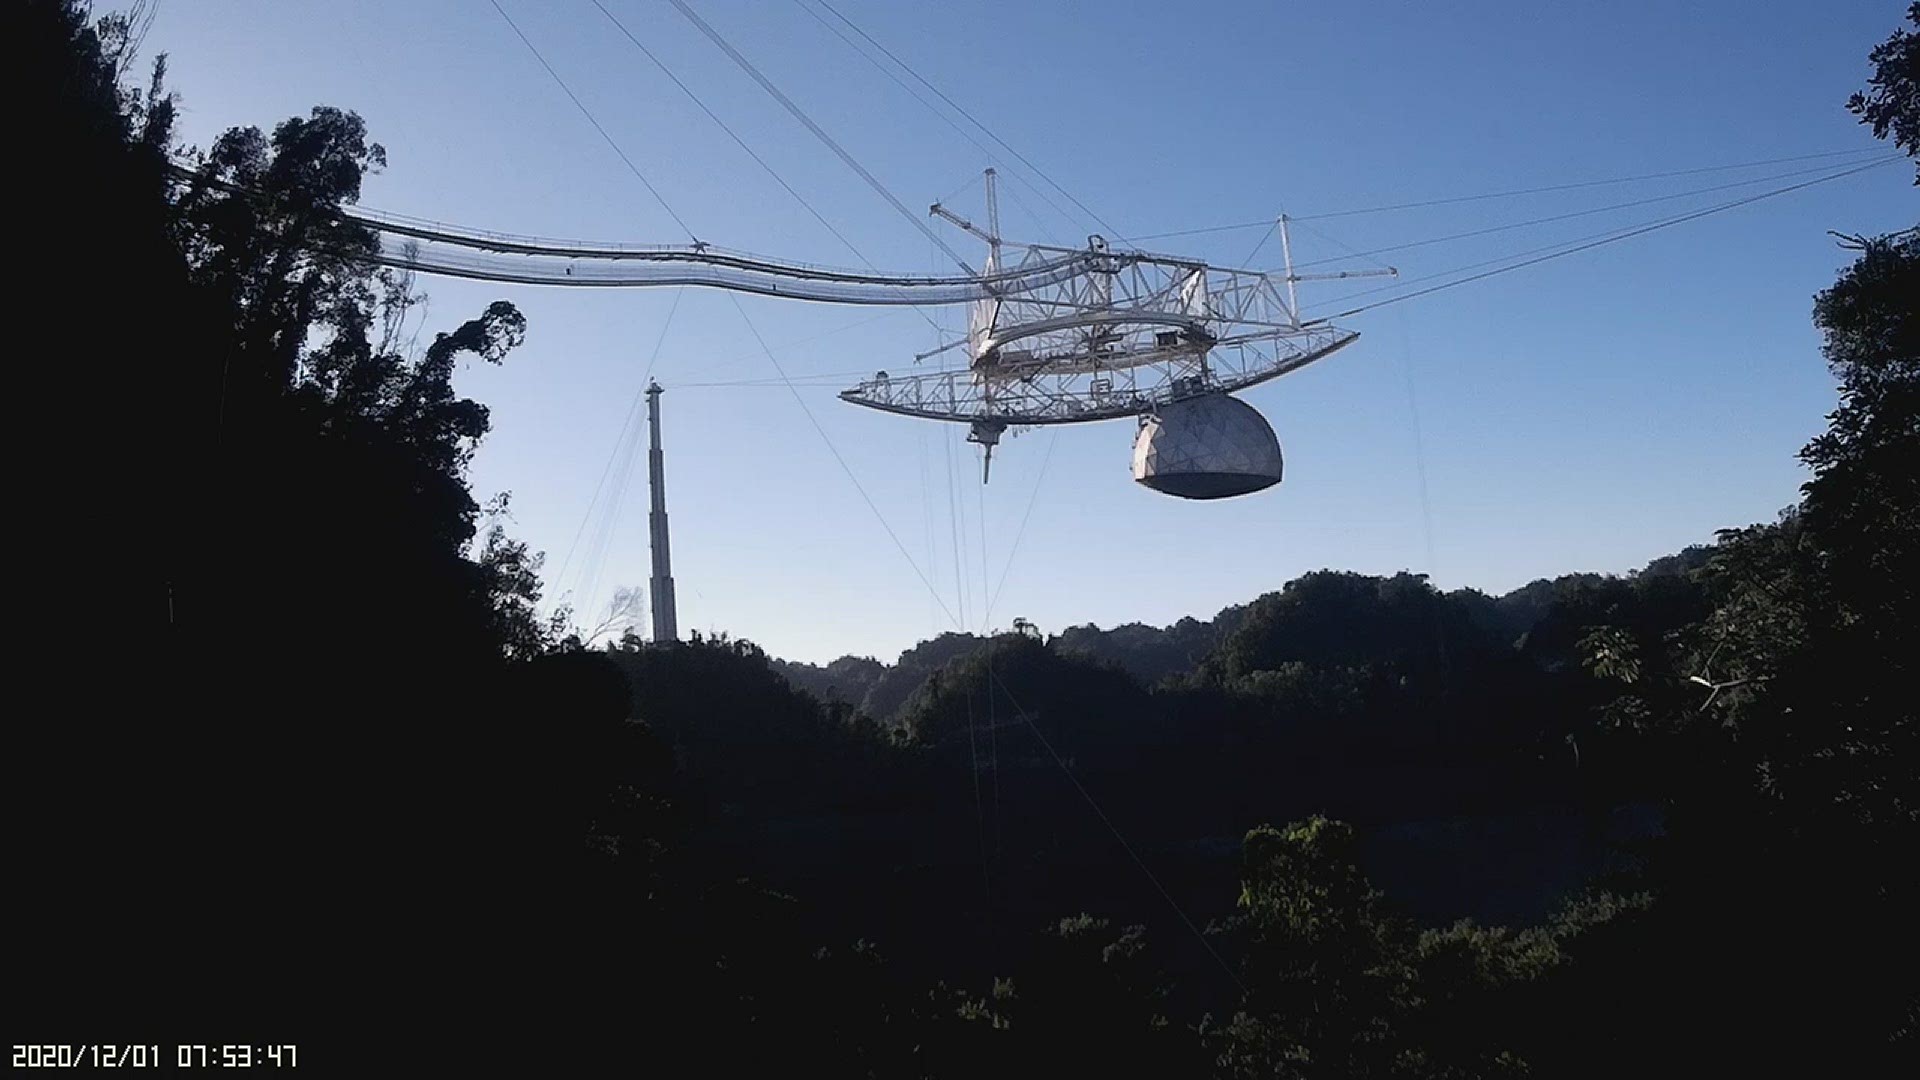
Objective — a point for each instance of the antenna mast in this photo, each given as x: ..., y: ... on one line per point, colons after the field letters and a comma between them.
x: 982, y: 318
x: 1286, y: 251
x: 665, y: 624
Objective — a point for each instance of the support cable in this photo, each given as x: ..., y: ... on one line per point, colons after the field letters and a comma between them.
x: 1426, y: 502
x: 904, y: 85
x: 821, y: 431
x: 993, y: 680
x: 1368, y: 254
x: 1587, y: 245
x: 926, y: 512
x: 1247, y: 263
x: 1034, y: 497
x: 841, y: 461
x: 742, y: 143
x: 1517, y: 192
x: 986, y: 629
x: 597, y: 554
x: 627, y: 426
x: 975, y: 121
x: 743, y: 358
x: 1364, y: 256
x: 1039, y: 222
x: 957, y: 520
x: 730, y: 133
x: 1198, y: 934
x: 979, y: 811
x: 820, y: 133
x: 588, y: 113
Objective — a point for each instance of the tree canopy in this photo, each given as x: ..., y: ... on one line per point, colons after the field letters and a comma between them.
x: 1358, y: 827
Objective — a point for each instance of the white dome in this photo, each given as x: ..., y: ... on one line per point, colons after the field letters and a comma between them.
x: 1209, y: 447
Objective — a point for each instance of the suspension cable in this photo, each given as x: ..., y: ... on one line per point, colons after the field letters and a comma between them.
x: 1604, y: 239
x: 819, y: 132
x: 916, y: 95
x: 1020, y: 533
x: 1199, y: 935
x: 731, y: 134
x: 588, y: 113
x: 986, y: 630
x: 1511, y: 194
x: 742, y: 143
x: 1690, y: 193
x: 840, y: 460
x: 975, y: 121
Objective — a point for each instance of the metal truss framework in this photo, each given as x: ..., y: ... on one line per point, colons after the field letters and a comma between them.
x: 1039, y: 393
x: 453, y: 255
x: 1056, y: 335
x: 1128, y: 333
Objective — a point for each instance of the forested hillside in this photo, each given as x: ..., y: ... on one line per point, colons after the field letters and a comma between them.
x: 1156, y: 655
x: 299, y: 757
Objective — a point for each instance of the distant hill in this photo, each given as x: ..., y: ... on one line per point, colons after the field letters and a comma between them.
x: 1542, y: 618
x: 877, y: 689
x: 1152, y: 653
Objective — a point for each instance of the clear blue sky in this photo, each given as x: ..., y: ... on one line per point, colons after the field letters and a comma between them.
x: 1589, y: 413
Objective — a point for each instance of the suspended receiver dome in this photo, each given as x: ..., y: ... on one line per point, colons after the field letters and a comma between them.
x: 1209, y: 447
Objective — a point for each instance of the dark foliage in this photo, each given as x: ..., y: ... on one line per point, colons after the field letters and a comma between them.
x: 257, y: 488
x: 1152, y: 654
x: 1891, y: 103
x: 339, y: 774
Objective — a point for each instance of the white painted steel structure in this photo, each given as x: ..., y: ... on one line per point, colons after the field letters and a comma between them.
x: 1128, y: 334
x: 1055, y: 335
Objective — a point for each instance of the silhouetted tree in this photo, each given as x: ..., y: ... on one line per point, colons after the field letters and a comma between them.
x: 1891, y: 104
x: 332, y: 724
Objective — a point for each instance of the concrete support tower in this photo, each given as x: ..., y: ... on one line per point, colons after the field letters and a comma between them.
x: 666, y: 625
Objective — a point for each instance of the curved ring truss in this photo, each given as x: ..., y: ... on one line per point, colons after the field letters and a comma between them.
x: 1042, y: 393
